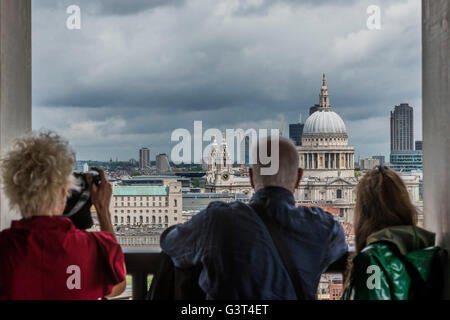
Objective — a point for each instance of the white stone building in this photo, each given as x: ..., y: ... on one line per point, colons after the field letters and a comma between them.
x: 325, y: 156
x: 156, y: 206
x: 220, y: 176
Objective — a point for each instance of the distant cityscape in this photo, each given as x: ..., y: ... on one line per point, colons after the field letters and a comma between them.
x: 150, y: 196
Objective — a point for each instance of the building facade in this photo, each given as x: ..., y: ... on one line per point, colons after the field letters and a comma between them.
x: 327, y: 159
x: 220, y: 176
x: 381, y: 159
x: 144, y: 158
x: 406, y: 160
x: 156, y: 206
x: 162, y: 163
x: 368, y: 163
x: 402, y: 128
x: 325, y: 156
x: 296, y: 131
x: 419, y: 145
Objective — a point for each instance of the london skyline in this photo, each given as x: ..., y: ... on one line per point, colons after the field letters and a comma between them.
x: 132, y: 74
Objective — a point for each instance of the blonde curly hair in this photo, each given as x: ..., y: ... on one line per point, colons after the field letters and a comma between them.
x: 35, y: 173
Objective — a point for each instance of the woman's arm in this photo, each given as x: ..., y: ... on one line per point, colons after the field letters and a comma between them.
x: 101, y: 197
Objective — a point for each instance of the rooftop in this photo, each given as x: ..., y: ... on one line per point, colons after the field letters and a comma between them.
x: 140, y: 191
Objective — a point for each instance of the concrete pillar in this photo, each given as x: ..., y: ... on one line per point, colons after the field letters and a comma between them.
x: 15, y: 80
x: 436, y: 117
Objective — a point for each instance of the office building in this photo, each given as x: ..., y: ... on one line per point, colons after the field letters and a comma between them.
x: 419, y: 145
x: 314, y: 108
x: 296, y: 131
x: 408, y: 160
x: 144, y: 158
x: 402, y: 128
x: 162, y: 163
x: 368, y: 163
x: 381, y: 159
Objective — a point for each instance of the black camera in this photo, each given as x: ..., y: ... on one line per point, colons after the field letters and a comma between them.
x: 78, y: 205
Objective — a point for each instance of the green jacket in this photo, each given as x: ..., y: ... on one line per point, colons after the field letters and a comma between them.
x: 379, y: 272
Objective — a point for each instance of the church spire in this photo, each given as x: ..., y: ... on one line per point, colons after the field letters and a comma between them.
x: 324, y: 97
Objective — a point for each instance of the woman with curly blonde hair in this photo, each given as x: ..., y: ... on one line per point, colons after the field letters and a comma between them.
x: 43, y: 255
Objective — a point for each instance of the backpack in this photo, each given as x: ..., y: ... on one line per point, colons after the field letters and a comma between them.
x: 419, y: 288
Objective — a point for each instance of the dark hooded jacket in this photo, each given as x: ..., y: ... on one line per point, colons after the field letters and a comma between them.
x: 396, y: 264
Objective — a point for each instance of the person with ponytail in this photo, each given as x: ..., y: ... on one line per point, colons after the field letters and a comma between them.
x: 394, y: 259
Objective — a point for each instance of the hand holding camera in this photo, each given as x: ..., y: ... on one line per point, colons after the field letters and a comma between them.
x: 101, y: 194
x: 95, y: 190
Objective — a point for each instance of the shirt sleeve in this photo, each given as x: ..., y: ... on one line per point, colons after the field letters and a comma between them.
x: 337, y: 246
x: 112, y: 258
x: 184, y: 242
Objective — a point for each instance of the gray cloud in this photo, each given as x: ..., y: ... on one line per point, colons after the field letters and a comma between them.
x: 146, y: 72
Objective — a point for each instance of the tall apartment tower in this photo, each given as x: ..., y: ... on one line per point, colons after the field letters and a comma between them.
x: 402, y: 128
x: 144, y: 158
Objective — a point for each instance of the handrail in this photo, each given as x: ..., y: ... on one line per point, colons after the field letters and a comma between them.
x: 142, y: 262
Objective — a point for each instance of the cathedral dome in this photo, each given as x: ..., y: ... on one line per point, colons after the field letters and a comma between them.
x: 324, y: 122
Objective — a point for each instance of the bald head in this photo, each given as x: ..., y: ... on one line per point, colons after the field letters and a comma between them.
x: 287, y: 175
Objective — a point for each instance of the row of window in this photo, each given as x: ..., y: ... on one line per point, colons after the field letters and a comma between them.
x: 121, y: 198
x: 125, y: 241
x: 141, y: 204
x: 142, y: 211
x: 141, y: 220
x: 338, y: 194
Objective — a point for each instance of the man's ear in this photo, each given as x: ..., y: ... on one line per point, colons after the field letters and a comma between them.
x: 299, y: 177
x: 250, y: 172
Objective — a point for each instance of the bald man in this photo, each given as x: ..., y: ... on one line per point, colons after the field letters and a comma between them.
x: 237, y: 254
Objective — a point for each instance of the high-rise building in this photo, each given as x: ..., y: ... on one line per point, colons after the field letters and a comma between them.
x: 314, y: 108
x: 368, y: 163
x: 144, y: 158
x: 296, y: 131
x: 381, y: 159
x: 407, y: 160
x: 419, y: 145
x: 162, y: 163
x: 402, y: 128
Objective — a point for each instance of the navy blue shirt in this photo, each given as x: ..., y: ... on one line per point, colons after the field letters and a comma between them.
x: 239, y: 258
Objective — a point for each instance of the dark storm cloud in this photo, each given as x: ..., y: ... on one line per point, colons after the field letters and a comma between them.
x: 135, y: 74
x: 108, y: 7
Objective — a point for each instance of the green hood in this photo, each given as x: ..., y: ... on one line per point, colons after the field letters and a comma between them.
x: 406, y: 238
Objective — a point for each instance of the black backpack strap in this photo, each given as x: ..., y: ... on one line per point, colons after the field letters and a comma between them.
x: 282, y: 250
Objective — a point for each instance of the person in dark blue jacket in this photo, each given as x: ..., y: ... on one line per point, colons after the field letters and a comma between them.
x: 238, y: 256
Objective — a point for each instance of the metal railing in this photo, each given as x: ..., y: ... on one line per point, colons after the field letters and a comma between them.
x: 143, y: 262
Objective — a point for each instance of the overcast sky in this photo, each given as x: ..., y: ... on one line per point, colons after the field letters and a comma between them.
x: 137, y: 70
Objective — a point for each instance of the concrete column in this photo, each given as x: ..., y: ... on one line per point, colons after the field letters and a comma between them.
x: 436, y: 117
x: 15, y: 81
